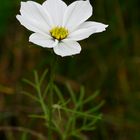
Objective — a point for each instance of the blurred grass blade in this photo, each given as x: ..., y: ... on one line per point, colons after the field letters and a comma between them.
x: 30, y: 95
x: 84, y: 114
x: 29, y: 83
x: 43, y: 76
x: 90, y: 98
x: 71, y: 93
x: 59, y: 94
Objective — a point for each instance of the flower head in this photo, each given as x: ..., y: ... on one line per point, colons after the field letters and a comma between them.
x: 58, y: 26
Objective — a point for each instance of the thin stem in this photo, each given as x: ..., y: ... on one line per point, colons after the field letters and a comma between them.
x: 50, y: 96
x: 22, y: 129
x: 43, y: 105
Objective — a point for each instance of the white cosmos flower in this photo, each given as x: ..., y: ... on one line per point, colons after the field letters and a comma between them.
x: 58, y: 26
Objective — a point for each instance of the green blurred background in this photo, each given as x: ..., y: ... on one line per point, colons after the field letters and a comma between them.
x: 109, y: 62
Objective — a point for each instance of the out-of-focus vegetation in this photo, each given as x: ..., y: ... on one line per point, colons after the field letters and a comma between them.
x: 109, y: 62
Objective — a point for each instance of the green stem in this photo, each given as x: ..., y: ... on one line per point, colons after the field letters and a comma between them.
x: 42, y: 104
x: 41, y: 100
x: 47, y: 109
x: 50, y: 97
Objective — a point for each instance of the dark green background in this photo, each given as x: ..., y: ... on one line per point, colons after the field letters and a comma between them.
x: 109, y: 62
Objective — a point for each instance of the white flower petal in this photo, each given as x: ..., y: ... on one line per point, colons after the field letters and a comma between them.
x: 30, y: 26
x: 67, y: 48
x: 42, y: 40
x: 86, y: 29
x: 56, y: 9
x: 35, y: 14
x: 77, y: 13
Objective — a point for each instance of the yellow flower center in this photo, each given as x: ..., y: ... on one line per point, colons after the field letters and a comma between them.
x: 59, y: 33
